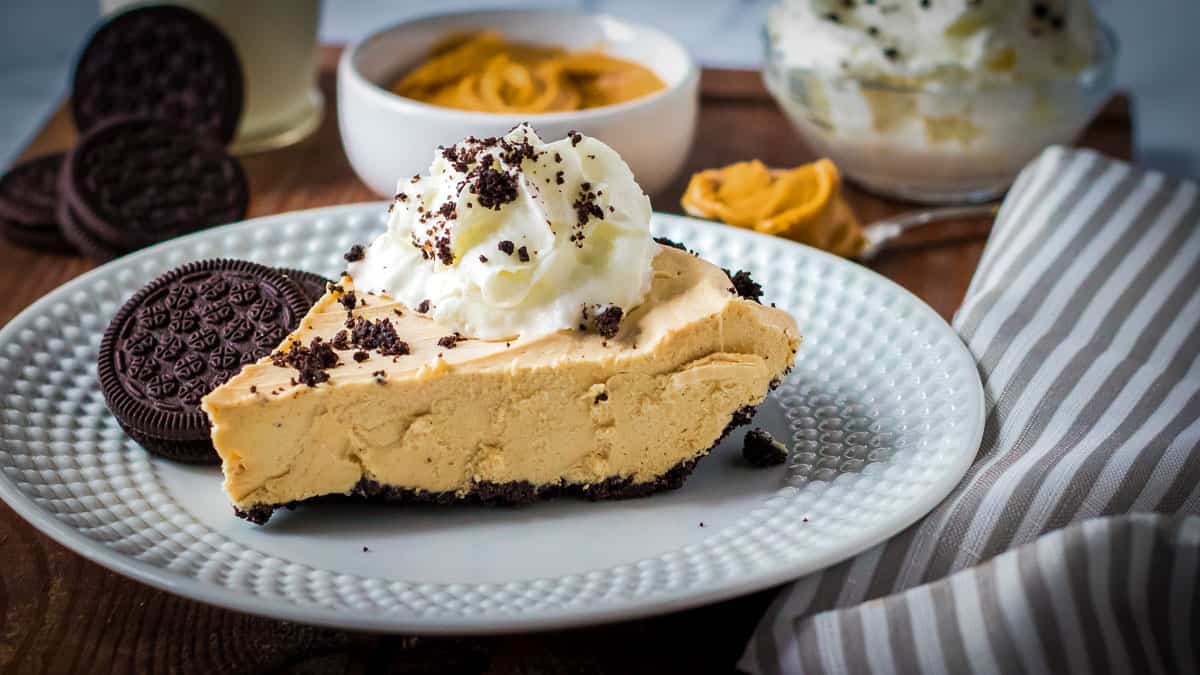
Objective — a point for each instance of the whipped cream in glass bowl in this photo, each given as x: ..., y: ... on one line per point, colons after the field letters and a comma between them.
x: 937, y: 101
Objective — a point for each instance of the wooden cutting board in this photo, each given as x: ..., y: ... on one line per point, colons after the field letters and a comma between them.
x: 61, y: 613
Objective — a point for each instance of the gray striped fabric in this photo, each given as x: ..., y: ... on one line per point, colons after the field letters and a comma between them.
x: 1084, y: 316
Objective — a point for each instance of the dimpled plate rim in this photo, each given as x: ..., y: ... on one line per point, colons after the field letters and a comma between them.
x: 896, y: 477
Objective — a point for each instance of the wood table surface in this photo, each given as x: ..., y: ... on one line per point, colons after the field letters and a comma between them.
x: 62, y: 613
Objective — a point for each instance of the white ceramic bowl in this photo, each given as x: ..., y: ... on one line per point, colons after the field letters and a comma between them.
x: 389, y: 137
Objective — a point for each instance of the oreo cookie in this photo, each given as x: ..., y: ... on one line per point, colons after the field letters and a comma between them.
x: 164, y: 62
x: 313, y: 285
x: 29, y: 204
x: 134, y: 181
x: 83, y: 241
x: 181, y: 336
x: 189, y: 452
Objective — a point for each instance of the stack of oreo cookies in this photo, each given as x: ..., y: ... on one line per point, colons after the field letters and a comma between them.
x: 29, y: 204
x: 156, y: 97
x: 187, y: 332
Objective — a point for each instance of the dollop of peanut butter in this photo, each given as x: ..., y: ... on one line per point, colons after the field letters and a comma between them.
x: 484, y: 72
x: 804, y: 204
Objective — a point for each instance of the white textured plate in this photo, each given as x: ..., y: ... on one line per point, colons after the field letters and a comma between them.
x: 884, y: 412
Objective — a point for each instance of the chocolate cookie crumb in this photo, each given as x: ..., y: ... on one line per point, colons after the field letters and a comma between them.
x: 506, y: 247
x: 515, y: 153
x: 482, y: 258
x: 459, y: 161
x: 575, y: 137
x: 450, y: 341
x: 354, y: 254
x: 379, y: 335
x: 259, y: 515
x: 760, y: 449
x: 672, y: 243
x: 602, y: 396
x: 523, y: 254
x: 493, y: 186
x: 423, y: 308
x: 745, y: 286
x: 348, y: 300
x: 586, y: 208
x: 311, y: 361
x: 360, y: 356
x: 608, y: 322
x: 443, y: 251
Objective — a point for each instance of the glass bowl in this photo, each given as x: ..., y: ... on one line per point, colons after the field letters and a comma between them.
x: 938, y: 142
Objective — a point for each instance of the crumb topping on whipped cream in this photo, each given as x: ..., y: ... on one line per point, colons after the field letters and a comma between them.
x: 514, y: 236
x: 937, y: 40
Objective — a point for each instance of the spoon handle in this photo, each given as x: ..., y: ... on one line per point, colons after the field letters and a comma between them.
x: 880, y: 232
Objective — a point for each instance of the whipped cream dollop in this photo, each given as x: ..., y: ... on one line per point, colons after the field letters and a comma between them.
x: 940, y: 40
x: 513, y: 236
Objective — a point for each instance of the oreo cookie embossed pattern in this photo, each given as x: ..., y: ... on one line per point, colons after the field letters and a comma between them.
x: 163, y: 62
x: 313, y: 285
x: 133, y: 182
x: 181, y: 336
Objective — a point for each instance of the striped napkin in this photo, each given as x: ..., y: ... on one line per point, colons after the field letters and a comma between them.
x: 1084, y: 316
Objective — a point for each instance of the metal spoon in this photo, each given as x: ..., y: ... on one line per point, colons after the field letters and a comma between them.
x: 880, y: 232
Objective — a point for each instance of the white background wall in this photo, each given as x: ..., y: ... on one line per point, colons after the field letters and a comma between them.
x: 1159, y: 61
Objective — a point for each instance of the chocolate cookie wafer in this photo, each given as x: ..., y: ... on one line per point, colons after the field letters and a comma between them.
x: 134, y: 181
x: 81, y: 239
x: 183, y: 334
x: 189, y: 452
x: 161, y: 61
x: 29, y: 204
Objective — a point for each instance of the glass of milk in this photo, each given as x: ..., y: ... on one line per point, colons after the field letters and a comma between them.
x: 276, y: 41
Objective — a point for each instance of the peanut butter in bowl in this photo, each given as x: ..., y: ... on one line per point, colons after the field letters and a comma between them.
x: 484, y: 72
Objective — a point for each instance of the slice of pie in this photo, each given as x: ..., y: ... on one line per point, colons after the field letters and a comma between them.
x: 423, y: 415
x: 515, y: 334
